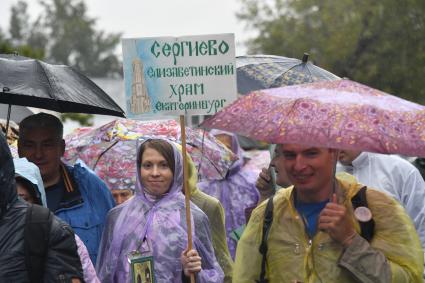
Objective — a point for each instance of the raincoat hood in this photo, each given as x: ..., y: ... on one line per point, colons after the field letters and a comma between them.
x: 8, y: 194
x: 156, y: 227
x: 30, y: 172
x: 236, y: 191
x: 177, y: 176
x: 192, y: 172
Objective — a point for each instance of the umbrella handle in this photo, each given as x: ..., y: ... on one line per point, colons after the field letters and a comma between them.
x: 9, y: 109
x: 273, y: 178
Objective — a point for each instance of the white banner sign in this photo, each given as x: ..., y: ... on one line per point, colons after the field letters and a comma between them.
x: 190, y: 75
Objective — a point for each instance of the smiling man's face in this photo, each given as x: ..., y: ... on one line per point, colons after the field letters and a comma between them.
x: 309, y: 169
x: 44, y: 148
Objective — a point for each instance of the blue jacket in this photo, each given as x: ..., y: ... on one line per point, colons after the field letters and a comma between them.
x: 85, y: 208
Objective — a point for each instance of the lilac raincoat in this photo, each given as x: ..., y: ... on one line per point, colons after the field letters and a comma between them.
x: 163, y: 223
x: 88, y: 268
x: 236, y: 192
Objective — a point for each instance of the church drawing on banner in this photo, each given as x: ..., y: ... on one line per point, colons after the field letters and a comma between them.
x: 140, y: 101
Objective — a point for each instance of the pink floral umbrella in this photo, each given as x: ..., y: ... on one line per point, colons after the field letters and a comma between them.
x: 336, y: 114
x: 110, y: 150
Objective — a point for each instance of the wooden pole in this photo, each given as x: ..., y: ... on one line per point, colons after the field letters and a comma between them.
x: 186, y: 189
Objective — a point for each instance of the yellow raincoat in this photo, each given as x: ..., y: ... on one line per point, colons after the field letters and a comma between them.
x: 292, y: 257
x: 215, y: 213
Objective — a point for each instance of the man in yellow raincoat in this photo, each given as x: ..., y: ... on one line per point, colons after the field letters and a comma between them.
x: 315, y: 234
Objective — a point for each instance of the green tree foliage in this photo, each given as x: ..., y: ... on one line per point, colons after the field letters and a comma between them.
x: 19, y: 24
x: 378, y: 43
x: 25, y: 39
x: 74, y: 41
x: 82, y: 119
x: 63, y: 34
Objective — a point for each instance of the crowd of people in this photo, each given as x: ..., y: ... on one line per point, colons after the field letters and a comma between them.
x: 328, y: 216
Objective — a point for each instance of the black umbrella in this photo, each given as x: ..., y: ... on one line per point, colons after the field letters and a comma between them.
x: 29, y: 82
x: 255, y: 72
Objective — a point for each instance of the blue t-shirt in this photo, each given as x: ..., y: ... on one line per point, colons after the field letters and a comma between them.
x: 310, y: 212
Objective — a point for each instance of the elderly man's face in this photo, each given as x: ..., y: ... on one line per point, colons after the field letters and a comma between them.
x: 310, y: 169
x: 278, y: 162
x: 121, y: 196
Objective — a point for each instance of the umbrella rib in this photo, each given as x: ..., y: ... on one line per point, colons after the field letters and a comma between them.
x: 278, y: 76
x: 275, y: 60
x: 206, y: 157
x: 267, y: 63
x: 202, y: 152
x: 93, y: 84
x: 292, y: 67
x: 262, y: 63
x: 53, y: 87
x: 214, y: 166
x: 47, y: 77
x: 100, y: 155
x: 308, y: 70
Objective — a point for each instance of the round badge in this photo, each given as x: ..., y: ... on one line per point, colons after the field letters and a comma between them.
x: 363, y: 214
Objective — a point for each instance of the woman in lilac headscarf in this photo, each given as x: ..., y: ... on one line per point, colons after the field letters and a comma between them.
x: 236, y: 191
x: 153, y: 223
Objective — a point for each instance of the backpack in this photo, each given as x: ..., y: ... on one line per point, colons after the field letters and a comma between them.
x: 367, y: 228
x: 38, y: 221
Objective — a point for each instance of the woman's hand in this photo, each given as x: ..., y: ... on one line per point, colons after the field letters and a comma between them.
x: 191, y: 262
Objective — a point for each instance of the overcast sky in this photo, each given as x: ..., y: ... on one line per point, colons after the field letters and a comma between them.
x: 141, y: 18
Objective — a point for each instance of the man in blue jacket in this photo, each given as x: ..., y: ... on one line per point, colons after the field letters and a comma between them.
x: 73, y: 193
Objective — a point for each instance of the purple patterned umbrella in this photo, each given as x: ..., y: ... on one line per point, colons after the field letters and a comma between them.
x: 336, y: 114
x: 110, y: 150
